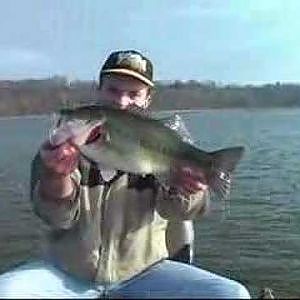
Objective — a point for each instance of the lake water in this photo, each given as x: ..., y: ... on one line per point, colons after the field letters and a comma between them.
x: 253, y: 238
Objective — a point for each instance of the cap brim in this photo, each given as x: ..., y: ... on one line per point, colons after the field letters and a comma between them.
x: 130, y: 73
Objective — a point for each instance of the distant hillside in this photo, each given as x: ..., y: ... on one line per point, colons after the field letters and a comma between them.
x: 47, y: 95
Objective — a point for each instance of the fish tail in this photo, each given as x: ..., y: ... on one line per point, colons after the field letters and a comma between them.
x: 224, y: 162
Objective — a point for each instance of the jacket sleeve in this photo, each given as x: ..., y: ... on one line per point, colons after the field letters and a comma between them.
x: 172, y: 205
x: 57, y: 213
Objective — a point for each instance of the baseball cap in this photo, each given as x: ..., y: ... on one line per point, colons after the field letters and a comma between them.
x: 129, y: 62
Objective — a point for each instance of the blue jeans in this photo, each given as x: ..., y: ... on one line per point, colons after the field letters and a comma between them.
x: 166, y: 279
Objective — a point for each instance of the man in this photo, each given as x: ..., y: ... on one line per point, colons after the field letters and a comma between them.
x: 109, y: 227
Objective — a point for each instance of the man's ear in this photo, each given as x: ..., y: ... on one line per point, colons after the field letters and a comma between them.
x: 151, y: 93
x: 148, y: 100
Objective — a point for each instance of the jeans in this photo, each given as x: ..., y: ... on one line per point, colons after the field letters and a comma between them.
x: 166, y: 279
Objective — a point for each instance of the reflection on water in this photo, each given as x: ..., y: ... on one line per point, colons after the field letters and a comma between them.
x: 255, y: 240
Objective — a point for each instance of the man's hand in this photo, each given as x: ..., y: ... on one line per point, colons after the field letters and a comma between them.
x: 60, y: 160
x: 58, y: 164
x: 60, y: 153
x: 188, y: 180
x: 60, y: 157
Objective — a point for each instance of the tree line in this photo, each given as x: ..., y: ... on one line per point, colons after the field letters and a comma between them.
x: 43, y: 96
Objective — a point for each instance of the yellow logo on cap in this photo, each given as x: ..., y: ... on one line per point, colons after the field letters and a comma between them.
x: 133, y: 61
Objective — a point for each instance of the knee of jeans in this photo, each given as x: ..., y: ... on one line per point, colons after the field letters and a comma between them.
x: 240, y: 291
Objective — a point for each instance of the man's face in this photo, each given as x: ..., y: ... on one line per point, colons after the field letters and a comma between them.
x: 124, y: 91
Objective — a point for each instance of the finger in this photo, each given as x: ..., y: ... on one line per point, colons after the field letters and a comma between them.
x: 182, y: 191
x: 65, y: 150
x: 187, y: 191
x: 66, y: 166
x: 188, y: 173
x: 59, y: 157
x: 68, y: 150
x: 193, y: 173
x: 191, y: 186
x: 194, y: 187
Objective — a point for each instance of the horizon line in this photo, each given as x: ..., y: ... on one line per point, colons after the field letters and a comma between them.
x: 164, y: 81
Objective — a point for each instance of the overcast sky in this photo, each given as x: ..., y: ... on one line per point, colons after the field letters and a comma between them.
x: 242, y: 41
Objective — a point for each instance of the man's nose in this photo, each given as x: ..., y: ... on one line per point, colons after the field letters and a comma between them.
x: 123, y: 100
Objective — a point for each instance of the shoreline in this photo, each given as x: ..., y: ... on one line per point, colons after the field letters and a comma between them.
x: 184, y: 111
x: 41, y: 116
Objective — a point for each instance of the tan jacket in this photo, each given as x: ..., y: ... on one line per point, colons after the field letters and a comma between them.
x: 110, y: 231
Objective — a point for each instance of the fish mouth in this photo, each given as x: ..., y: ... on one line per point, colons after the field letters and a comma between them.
x: 96, y: 134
